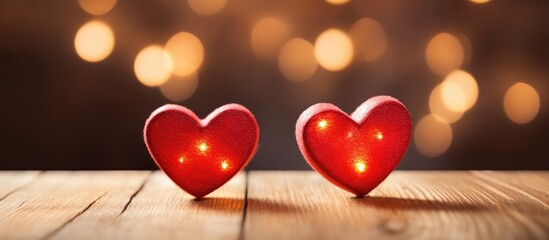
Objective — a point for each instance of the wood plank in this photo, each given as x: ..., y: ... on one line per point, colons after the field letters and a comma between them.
x: 13, y: 181
x: 534, y: 185
x: 161, y: 210
x: 527, y: 192
x: 408, y: 205
x: 55, y: 199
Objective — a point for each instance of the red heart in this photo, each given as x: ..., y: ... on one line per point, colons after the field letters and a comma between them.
x: 355, y: 153
x: 201, y: 155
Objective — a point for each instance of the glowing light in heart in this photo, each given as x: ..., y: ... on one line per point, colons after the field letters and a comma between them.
x: 379, y: 136
x: 360, y: 166
x: 224, y: 165
x: 202, y: 147
x: 322, y: 124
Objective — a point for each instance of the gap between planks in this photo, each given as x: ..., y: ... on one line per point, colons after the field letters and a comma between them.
x: 245, y: 207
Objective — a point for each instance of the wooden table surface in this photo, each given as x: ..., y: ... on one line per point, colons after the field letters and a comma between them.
x: 274, y: 205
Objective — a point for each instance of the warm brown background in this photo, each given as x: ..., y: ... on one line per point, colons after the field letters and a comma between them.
x: 60, y: 112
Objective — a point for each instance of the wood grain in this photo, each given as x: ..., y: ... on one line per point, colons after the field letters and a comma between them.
x: 408, y: 205
x: 161, y: 210
x: 274, y: 205
x: 54, y: 199
x: 15, y: 180
x: 115, y: 205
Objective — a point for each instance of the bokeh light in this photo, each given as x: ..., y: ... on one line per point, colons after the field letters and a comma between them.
x: 521, y: 103
x: 467, y: 48
x: 337, y: 2
x: 480, y: 1
x: 369, y: 38
x: 268, y: 36
x: 444, y: 53
x: 207, y: 7
x: 459, y: 91
x: 333, y: 50
x: 437, y: 106
x: 187, y: 53
x: 153, y: 66
x: 97, y: 7
x: 94, y: 41
x: 453, y: 97
x: 432, y: 135
x: 297, y: 60
x: 179, y: 88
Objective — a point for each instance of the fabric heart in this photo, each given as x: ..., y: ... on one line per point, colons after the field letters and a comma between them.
x: 355, y: 153
x: 201, y: 155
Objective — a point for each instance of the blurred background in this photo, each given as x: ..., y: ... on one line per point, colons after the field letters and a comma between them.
x: 80, y: 77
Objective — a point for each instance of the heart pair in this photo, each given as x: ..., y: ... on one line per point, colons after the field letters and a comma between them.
x: 354, y: 152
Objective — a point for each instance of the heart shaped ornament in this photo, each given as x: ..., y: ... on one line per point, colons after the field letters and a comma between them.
x: 358, y: 152
x: 201, y: 155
